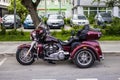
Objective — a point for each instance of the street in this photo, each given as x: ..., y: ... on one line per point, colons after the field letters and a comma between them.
x: 107, y: 69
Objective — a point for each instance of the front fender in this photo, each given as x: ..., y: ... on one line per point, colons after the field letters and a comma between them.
x: 85, y: 46
x: 24, y: 46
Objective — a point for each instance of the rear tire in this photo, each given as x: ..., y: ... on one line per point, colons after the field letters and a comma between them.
x: 84, y: 58
x: 20, y: 56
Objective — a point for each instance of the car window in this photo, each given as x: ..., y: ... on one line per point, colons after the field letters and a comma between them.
x: 9, y: 17
x: 105, y: 15
x: 17, y: 17
x: 28, y: 17
x: 79, y: 17
x: 55, y: 17
x: 82, y: 17
x: 4, y: 16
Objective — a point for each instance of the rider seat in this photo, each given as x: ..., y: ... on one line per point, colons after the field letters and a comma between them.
x: 70, y: 41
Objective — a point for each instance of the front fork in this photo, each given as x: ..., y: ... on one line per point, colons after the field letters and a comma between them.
x: 32, y: 45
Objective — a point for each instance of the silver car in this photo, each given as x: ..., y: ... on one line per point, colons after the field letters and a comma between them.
x: 102, y: 18
x: 55, y: 21
x: 8, y: 21
x: 78, y: 19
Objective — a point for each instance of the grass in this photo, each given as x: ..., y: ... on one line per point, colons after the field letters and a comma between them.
x: 25, y: 36
x: 110, y: 38
x: 17, y: 36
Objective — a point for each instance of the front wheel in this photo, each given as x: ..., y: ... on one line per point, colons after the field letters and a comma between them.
x: 84, y: 58
x: 20, y: 56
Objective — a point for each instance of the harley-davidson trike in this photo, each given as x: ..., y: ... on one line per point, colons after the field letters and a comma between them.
x: 82, y: 48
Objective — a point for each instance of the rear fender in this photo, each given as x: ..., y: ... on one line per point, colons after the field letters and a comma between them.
x: 85, y: 46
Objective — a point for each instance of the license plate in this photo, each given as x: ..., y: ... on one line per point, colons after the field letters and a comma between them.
x: 31, y: 24
x: 55, y: 25
x: 7, y: 25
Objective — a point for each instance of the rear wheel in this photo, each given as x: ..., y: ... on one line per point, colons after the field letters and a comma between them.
x: 20, y: 56
x: 84, y: 58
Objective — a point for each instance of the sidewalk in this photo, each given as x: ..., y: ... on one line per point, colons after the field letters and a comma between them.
x: 106, y: 46
x: 110, y: 46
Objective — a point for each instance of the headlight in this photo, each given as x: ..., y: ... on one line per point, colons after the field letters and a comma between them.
x: 87, y: 22
x: 75, y: 22
x: 48, y: 23
x: 61, y: 22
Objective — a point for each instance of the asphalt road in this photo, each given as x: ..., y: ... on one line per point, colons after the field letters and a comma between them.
x: 108, y: 69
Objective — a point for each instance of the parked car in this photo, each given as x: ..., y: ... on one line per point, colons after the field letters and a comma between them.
x: 103, y: 17
x: 28, y: 22
x: 78, y: 19
x: 8, y: 21
x: 55, y: 21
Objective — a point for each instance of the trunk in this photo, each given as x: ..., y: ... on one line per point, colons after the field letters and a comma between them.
x: 32, y: 8
x: 34, y: 16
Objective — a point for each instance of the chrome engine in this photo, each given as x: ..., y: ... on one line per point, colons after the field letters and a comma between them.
x: 54, y: 52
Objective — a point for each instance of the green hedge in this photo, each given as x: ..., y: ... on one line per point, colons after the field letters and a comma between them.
x: 111, y: 29
x: 67, y: 21
x: 14, y: 35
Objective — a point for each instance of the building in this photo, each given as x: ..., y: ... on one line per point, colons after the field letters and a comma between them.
x: 55, y: 6
x: 3, y: 7
x: 88, y: 7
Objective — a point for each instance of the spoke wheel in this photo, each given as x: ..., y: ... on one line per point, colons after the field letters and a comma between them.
x: 84, y: 58
x: 20, y: 56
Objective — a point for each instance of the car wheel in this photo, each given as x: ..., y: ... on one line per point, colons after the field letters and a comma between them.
x: 84, y: 58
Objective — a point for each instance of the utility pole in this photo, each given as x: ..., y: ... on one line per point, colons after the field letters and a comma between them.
x: 14, y: 14
x: 59, y: 6
x: 45, y: 7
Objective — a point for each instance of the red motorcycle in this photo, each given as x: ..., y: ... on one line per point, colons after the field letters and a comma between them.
x: 82, y: 48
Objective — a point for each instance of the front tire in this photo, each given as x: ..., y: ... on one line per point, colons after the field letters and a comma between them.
x: 20, y: 56
x: 84, y: 58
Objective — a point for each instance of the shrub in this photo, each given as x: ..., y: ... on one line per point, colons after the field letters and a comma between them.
x: 45, y: 20
x: 91, y: 19
x: 63, y: 31
x: 22, y: 32
x: 15, y: 32
x: 54, y: 33
x: 76, y: 27
x: 114, y: 29
x: 3, y: 30
x: 12, y: 32
x: 67, y: 21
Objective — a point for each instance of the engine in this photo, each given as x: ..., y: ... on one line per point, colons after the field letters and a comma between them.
x: 54, y: 52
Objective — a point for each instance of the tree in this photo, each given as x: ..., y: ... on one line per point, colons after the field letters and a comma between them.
x: 31, y: 6
x: 20, y: 9
x: 109, y: 3
x: 112, y: 3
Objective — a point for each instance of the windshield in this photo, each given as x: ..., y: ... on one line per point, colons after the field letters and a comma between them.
x: 55, y: 17
x: 9, y: 17
x: 79, y: 17
x: 105, y: 15
x: 28, y: 17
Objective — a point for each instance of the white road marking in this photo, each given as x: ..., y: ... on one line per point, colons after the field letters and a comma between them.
x: 118, y: 78
x: 43, y: 79
x: 87, y: 79
x: 1, y: 62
